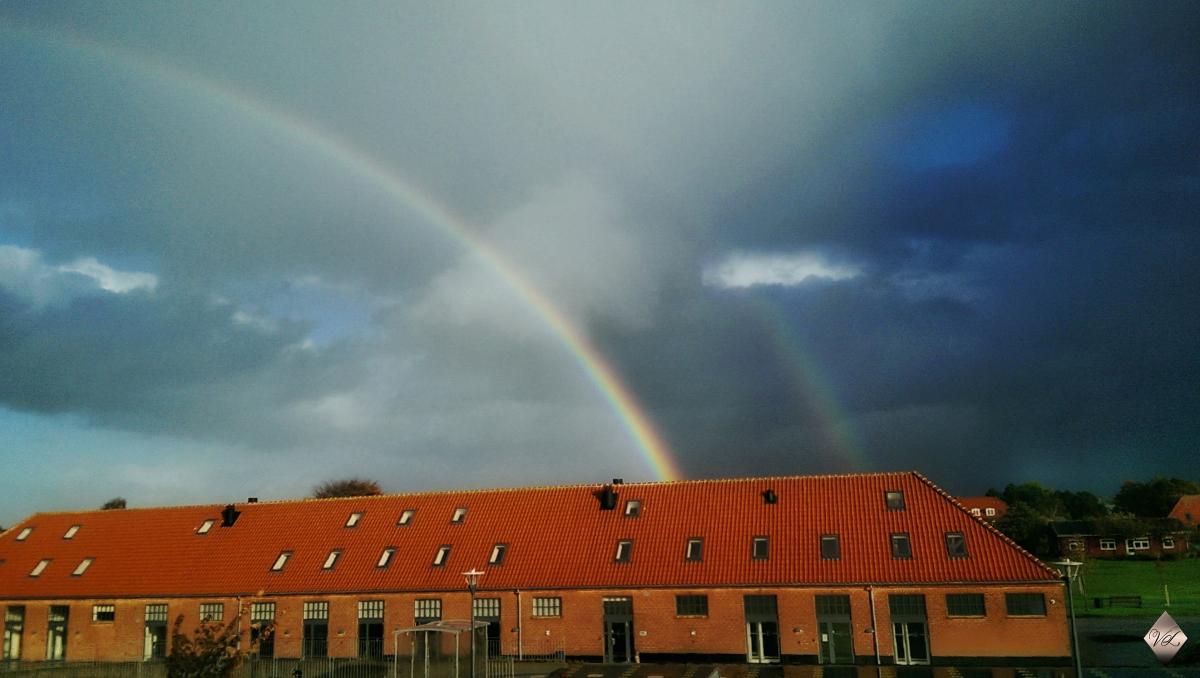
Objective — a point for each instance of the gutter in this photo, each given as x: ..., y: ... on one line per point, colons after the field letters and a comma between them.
x: 874, y: 628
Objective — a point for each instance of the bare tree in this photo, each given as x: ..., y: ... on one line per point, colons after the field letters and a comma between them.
x: 346, y: 487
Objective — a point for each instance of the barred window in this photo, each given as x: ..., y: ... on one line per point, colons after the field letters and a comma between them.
x: 547, y: 607
x: 1025, y: 604
x: 965, y: 605
x: 691, y: 606
x: 833, y: 606
x: 907, y: 604
x: 426, y: 610
x: 156, y: 612
x: 212, y: 611
x: 104, y: 613
x: 370, y: 609
x: 262, y: 612
x: 956, y: 545
x: 487, y: 608
x: 831, y: 547
x: 316, y: 610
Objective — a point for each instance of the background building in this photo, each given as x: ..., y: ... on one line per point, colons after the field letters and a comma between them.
x: 831, y: 569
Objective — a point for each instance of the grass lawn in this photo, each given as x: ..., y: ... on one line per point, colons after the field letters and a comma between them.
x: 1103, y: 578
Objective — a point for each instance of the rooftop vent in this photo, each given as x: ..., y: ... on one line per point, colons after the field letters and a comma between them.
x: 608, y: 498
x: 618, y: 481
x: 251, y: 500
x: 769, y: 497
x: 229, y: 516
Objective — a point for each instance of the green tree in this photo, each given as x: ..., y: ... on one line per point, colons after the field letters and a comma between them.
x: 1082, y: 505
x: 212, y: 650
x: 1153, y: 499
x: 347, y: 487
x: 114, y: 503
x: 1029, y: 528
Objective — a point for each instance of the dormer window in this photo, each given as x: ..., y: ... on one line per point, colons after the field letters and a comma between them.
x: 460, y: 515
x: 633, y: 508
x: 385, y: 557
x: 442, y: 555
x: 353, y: 519
x: 39, y: 568
x: 81, y: 567
x: 406, y: 517
x: 24, y: 534
x: 990, y: 512
x: 894, y: 500
x: 498, y: 552
x: 760, y: 548
x: 695, y: 550
x: 624, y: 551
x: 331, y: 559
x: 70, y: 533
x: 281, y: 561
x: 975, y: 512
x: 206, y: 526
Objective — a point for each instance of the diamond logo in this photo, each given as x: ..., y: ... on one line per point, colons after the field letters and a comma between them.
x: 1165, y: 638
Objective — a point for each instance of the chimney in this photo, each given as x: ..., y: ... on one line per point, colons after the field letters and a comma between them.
x: 618, y: 481
x: 251, y: 500
x: 769, y: 497
x: 608, y: 498
x: 229, y: 516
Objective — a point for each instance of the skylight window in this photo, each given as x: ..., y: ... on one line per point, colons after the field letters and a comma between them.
x: 633, y: 508
x: 70, y: 533
x: 206, y: 526
x: 760, y: 548
x: 331, y: 559
x: 831, y: 547
x: 460, y: 515
x: 24, y: 534
x: 406, y: 517
x: 901, y: 548
x: 498, y: 551
x: 281, y: 561
x: 695, y: 549
x: 894, y: 500
x: 37, y: 569
x: 81, y: 567
x: 353, y: 519
x: 385, y: 557
x: 443, y: 554
x: 956, y: 545
x: 624, y: 551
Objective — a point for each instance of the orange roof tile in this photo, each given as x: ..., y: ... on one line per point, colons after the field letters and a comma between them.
x: 557, y: 537
x: 1187, y: 510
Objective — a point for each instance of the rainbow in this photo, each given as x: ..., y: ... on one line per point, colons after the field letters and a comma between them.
x: 321, y: 141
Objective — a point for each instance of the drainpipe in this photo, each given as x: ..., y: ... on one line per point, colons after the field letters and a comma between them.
x: 874, y: 629
x: 520, y: 640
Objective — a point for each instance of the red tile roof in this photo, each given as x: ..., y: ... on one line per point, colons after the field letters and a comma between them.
x: 1187, y: 510
x: 557, y: 537
x: 985, y: 502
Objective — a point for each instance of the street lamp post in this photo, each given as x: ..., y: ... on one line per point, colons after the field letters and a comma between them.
x: 1070, y: 570
x: 472, y: 578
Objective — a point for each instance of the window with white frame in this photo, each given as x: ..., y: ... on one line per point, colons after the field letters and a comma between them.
x: 695, y: 549
x: 975, y: 512
x: 331, y: 559
x: 547, y: 607
x: 206, y: 526
x: 385, y: 558
x: 498, y: 553
x: 460, y: 515
x: 443, y: 554
x: 24, y: 534
x: 624, y: 551
x: 1168, y: 542
x: 427, y: 610
x: 1137, y: 544
x: 1075, y: 545
x: 70, y: 533
x: 633, y: 508
x: 104, y: 612
x: 212, y: 612
x: 81, y: 567
x: 989, y: 512
x: 406, y: 517
x: 39, y: 568
x: 1108, y: 544
x: 281, y: 561
x: 354, y: 518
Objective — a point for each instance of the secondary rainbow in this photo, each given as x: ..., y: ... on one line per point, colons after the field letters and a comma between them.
x: 317, y: 139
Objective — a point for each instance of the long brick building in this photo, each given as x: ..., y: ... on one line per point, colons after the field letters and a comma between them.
x: 849, y: 569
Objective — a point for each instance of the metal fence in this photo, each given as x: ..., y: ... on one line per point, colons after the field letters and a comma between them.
x: 255, y: 667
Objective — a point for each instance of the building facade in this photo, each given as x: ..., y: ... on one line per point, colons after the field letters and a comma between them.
x: 854, y: 569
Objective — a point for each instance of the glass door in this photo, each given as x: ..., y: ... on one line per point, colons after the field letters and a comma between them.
x: 836, y: 643
x: 762, y: 642
x: 912, y: 643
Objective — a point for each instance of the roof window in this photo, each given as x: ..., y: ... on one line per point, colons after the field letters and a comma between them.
x: 975, y: 512
x: 281, y: 561
x: 443, y: 554
x: 760, y: 548
x: 406, y: 517
x: 498, y: 552
x: 24, y: 534
x: 353, y: 519
x: 331, y: 559
x: 901, y: 547
x: 206, y: 526
x: 831, y: 547
x: 81, y: 567
x: 385, y: 557
x: 633, y: 508
x: 695, y: 549
x: 624, y: 551
x: 894, y: 500
x: 37, y: 569
x: 956, y: 545
x: 70, y: 533
x: 460, y: 515
x: 990, y: 511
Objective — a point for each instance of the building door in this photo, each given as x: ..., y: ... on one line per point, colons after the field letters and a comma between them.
x: 56, y: 632
x: 835, y: 640
x: 618, y: 630
x: 762, y: 629
x: 910, y: 631
x: 488, y: 610
x: 14, y: 626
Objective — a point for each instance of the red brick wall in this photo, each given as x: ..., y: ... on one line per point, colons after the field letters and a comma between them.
x: 579, y: 631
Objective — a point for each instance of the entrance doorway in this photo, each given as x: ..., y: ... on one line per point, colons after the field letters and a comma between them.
x: 762, y: 630
x: 910, y: 630
x: 835, y: 640
x: 618, y: 630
